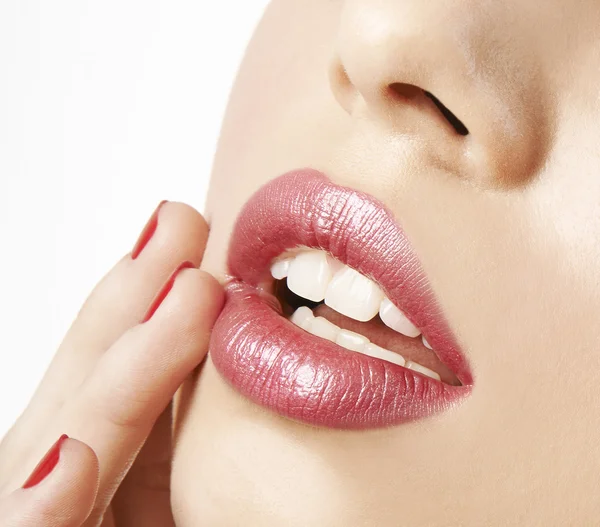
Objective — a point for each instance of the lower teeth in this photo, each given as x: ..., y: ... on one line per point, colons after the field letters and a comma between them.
x: 321, y: 327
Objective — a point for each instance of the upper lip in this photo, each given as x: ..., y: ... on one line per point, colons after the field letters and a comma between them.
x: 304, y: 208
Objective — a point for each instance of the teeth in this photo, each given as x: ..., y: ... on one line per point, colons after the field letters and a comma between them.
x: 381, y: 353
x: 350, y: 340
x: 422, y: 369
x: 303, y: 317
x: 321, y: 327
x: 393, y: 318
x: 309, y: 275
x: 353, y: 295
x: 317, y: 276
x: 280, y: 269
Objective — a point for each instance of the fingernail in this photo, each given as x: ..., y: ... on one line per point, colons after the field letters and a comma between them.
x: 147, y: 232
x: 46, y: 465
x: 158, y: 300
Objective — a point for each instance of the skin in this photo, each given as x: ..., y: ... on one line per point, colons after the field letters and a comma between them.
x: 505, y: 221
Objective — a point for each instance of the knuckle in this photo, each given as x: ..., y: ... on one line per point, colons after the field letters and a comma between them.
x: 121, y: 406
x: 126, y: 407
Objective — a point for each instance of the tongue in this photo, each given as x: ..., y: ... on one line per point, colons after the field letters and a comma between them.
x: 378, y: 333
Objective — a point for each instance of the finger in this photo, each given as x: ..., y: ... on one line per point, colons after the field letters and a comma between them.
x: 122, y: 297
x: 116, y: 304
x: 144, y: 496
x: 60, y: 492
x: 137, y: 377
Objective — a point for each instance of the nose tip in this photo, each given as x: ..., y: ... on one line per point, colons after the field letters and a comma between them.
x: 385, y: 51
x: 435, y: 66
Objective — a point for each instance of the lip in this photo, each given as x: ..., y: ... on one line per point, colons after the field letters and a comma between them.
x: 280, y: 366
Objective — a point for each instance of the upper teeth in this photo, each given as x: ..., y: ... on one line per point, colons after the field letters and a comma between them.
x: 395, y: 319
x: 354, y: 295
x: 316, y: 276
x: 309, y: 275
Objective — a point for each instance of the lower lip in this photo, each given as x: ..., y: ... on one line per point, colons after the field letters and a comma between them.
x: 280, y: 366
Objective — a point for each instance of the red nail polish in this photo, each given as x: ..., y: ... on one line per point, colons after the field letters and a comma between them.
x: 147, y: 232
x: 46, y: 465
x: 158, y: 300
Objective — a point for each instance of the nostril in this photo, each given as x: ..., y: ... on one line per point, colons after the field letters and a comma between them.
x: 411, y: 92
x: 405, y: 91
x: 456, y: 123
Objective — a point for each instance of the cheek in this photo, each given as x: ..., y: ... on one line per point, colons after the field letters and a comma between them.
x: 564, y: 218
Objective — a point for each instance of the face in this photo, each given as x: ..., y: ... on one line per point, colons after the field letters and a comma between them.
x: 494, y: 181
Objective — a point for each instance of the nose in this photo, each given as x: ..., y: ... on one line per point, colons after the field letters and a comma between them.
x: 451, y: 71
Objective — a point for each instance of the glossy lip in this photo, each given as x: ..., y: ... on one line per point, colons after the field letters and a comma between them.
x: 300, y: 376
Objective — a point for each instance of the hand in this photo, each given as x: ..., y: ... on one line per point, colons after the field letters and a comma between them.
x: 110, y: 386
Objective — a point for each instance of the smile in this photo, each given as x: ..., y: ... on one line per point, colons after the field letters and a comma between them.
x: 329, y: 317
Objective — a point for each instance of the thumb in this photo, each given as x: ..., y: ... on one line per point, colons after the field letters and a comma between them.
x: 60, y: 492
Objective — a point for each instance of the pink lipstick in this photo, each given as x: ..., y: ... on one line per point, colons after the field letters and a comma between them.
x: 301, y: 376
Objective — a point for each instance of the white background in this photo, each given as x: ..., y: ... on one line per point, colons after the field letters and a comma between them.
x: 106, y: 108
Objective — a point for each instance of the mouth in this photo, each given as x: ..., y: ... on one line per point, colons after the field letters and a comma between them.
x: 334, y: 302
x: 329, y: 318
